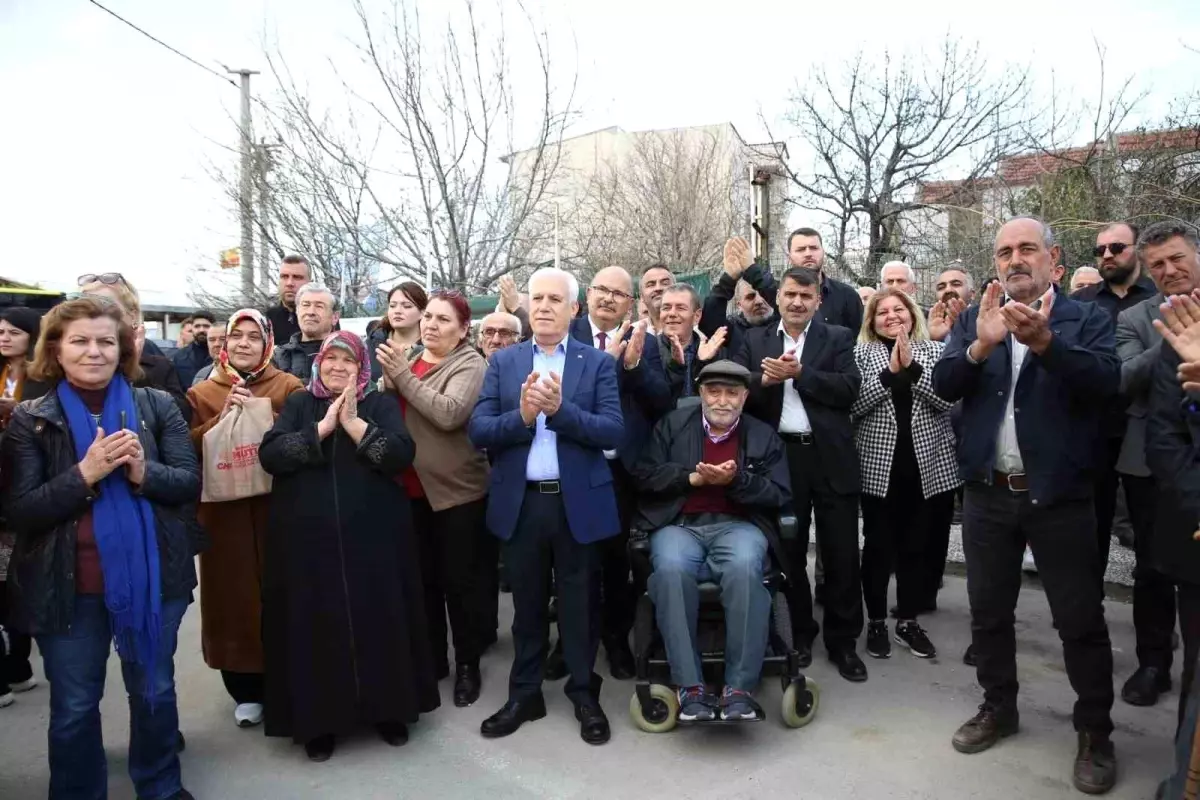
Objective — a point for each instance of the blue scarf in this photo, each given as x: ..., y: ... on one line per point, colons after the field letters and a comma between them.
x: 125, y: 534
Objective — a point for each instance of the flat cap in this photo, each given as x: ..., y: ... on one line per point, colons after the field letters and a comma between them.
x: 724, y: 371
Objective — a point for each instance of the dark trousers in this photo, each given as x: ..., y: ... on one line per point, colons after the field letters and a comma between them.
x: 997, y: 523
x: 618, y: 599
x: 837, y: 538
x: 543, y: 537
x: 1106, y: 482
x: 1189, y: 629
x: 15, y: 649
x: 455, y: 560
x: 939, y: 516
x: 1153, y: 592
x: 243, y: 687
x: 897, y: 533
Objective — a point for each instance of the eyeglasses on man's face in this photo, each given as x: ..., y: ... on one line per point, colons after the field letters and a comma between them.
x: 616, y: 294
x: 499, y: 333
x: 107, y: 278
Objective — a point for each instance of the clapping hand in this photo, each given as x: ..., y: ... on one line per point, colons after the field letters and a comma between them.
x: 1189, y: 376
x: 1029, y: 327
x: 392, y: 361
x: 329, y: 422
x: 780, y: 370
x: 990, y: 327
x: 943, y: 316
x: 616, y: 343
x: 637, y: 343
x: 510, y: 300
x: 546, y: 395
x: 737, y: 258
x: 1180, y: 325
x: 677, y: 355
x: 710, y: 347
x: 348, y: 412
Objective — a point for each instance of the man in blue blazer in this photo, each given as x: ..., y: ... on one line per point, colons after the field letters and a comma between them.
x: 645, y: 396
x: 548, y: 410
x: 1034, y: 370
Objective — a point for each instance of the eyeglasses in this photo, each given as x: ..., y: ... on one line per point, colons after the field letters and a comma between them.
x: 503, y: 333
x: 616, y: 294
x: 1116, y: 248
x: 107, y: 278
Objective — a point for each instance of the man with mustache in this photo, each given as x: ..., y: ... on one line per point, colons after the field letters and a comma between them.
x: 804, y: 382
x: 955, y: 282
x: 497, y: 331
x: 749, y: 286
x: 317, y: 310
x: 1124, y: 286
x: 655, y: 281
x: 682, y: 349
x: 1169, y: 253
x: 195, y: 356
x: 840, y: 303
x: 1034, y: 371
x: 645, y: 396
x: 713, y: 519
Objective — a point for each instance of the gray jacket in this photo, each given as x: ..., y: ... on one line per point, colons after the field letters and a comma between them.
x: 1138, y: 346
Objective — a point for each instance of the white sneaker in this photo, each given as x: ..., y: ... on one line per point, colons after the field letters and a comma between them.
x: 247, y: 715
x: 24, y: 686
x: 7, y: 699
x: 1027, y: 564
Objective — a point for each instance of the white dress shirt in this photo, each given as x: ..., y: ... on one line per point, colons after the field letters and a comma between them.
x: 1008, y: 449
x: 794, y: 418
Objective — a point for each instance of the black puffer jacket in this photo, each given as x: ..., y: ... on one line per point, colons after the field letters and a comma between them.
x: 45, y: 498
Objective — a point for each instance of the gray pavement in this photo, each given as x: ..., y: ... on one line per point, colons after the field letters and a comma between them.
x: 887, y: 738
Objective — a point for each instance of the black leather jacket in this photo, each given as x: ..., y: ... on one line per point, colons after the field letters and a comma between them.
x: 45, y: 497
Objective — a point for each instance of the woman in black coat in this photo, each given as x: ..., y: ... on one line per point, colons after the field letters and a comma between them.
x: 344, y: 629
x: 98, y: 481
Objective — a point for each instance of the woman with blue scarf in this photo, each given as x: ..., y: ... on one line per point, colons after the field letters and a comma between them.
x: 100, y: 483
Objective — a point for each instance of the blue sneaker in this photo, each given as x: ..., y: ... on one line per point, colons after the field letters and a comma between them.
x: 736, y: 704
x: 696, y: 704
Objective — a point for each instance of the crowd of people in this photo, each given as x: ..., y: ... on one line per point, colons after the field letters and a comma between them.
x: 413, y: 472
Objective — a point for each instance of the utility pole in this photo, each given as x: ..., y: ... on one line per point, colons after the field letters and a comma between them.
x: 246, y: 189
x: 264, y: 162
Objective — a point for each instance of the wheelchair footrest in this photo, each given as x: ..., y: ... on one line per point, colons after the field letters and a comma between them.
x: 718, y: 721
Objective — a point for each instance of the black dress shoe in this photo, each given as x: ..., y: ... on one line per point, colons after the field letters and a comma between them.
x: 593, y: 724
x: 969, y: 656
x: 514, y: 714
x: 1095, y: 764
x: 620, y: 660
x: 394, y: 733
x: 849, y: 665
x: 467, y: 683
x: 319, y: 749
x: 804, y: 653
x: 556, y: 666
x: 1145, y: 685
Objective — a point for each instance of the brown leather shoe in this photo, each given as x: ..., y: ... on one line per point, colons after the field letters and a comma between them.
x: 984, y: 729
x: 1095, y: 764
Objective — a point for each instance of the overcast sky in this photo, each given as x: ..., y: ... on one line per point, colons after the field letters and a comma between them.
x: 106, y: 137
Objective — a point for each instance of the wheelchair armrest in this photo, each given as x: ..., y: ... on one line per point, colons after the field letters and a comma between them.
x: 788, y: 526
x: 639, y: 541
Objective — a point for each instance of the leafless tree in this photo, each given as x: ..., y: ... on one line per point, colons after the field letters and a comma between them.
x: 403, y: 177
x: 882, y: 128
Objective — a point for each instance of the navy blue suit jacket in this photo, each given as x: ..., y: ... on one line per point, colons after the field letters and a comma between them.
x: 645, y: 392
x: 588, y: 423
x: 1059, y: 402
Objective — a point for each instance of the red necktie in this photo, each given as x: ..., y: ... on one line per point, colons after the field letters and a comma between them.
x: 603, y: 337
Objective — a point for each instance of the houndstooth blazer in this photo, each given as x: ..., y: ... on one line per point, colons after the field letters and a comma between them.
x: 874, y: 419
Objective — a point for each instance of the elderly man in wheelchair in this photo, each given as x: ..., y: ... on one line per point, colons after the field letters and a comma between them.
x: 713, y: 483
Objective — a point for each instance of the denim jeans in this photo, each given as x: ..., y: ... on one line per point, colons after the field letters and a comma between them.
x: 732, y: 554
x: 75, y: 663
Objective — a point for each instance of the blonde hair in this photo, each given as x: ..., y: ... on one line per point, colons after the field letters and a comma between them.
x: 127, y: 296
x: 867, y: 332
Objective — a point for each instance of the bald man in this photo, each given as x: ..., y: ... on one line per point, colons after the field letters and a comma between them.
x: 645, y: 396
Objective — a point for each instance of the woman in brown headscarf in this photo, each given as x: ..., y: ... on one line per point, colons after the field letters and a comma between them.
x: 231, y: 569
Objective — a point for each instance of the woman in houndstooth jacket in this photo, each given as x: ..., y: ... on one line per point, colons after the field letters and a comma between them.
x: 906, y: 455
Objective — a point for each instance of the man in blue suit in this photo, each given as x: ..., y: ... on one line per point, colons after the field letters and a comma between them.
x: 548, y: 410
x: 645, y: 396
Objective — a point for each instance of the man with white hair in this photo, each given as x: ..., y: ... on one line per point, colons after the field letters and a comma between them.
x: 548, y: 410
x: 866, y: 292
x: 1085, y: 276
x: 317, y: 310
x: 497, y: 331
x: 898, y: 275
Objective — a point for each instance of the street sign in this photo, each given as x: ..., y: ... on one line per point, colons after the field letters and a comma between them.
x: 231, y: 258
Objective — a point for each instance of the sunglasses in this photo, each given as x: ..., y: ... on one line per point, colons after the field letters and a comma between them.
x: 1116, y: 248
x: 107, y: 278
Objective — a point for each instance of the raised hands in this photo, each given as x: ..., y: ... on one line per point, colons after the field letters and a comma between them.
x: 329, y: 422
x: 1028, y: 326
x: 1180, y: 325
x: 617, y: 345
x: 943, y: 316
x: 737, y: 257
x: 509, y: 298
x: 636, y: 345
x: 710, y: 347
x: 677, y: 350
x: 901, y: 354
x: 392, y: 361
x: 713, y: 474
x: 990, y: 327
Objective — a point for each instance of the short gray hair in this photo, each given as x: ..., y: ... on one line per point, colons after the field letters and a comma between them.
x: 562, y: 275
x: 1160, y: 232
x: 693, y: 295
x: 316, y: 288
x: 1086, y: 270
x: 912, y: 276
x: 1047, y: 232
x: 509, y: 319
x: 958, y: 267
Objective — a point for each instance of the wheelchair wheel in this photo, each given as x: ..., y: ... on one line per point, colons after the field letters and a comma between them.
x: 800, y: 703
x: 664, y: 711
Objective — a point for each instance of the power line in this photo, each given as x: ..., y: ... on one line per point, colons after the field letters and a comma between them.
x: 154, y: 38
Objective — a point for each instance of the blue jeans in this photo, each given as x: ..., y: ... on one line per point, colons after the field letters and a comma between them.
x: 732, y: 554
x: 75, y: 664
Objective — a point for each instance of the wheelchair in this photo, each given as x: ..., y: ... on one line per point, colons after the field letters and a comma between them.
x: 654, y: 705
